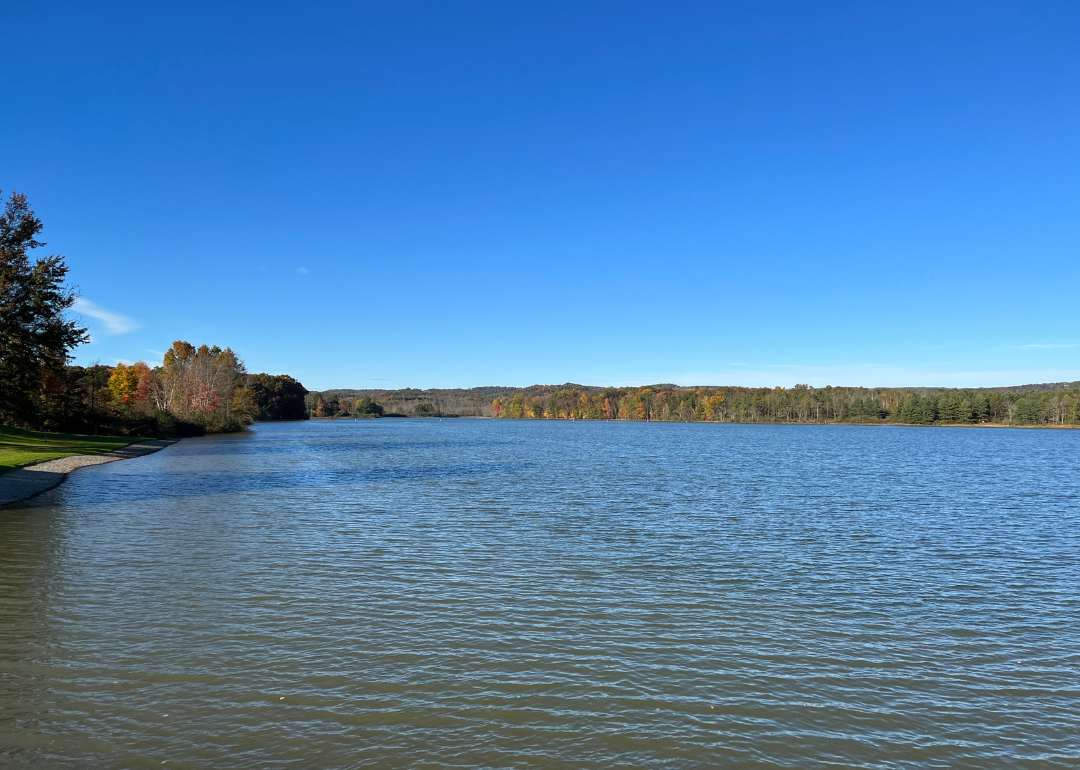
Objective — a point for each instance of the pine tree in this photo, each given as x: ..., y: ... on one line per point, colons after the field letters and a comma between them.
x: 36, y: 339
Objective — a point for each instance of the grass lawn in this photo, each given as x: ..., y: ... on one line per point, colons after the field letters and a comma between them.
x: 23, y: 447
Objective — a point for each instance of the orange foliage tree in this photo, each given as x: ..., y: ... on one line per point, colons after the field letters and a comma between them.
x: 124, y: 384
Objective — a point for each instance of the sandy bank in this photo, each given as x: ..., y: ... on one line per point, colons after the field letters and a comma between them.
x: 35, y: 479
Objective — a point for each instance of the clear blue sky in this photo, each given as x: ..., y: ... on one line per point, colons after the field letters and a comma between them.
x: 459, y: 194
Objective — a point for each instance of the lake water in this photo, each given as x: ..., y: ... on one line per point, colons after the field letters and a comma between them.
x: 477, y: 593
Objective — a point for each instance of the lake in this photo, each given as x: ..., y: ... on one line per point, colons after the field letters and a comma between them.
x: 479, y: 593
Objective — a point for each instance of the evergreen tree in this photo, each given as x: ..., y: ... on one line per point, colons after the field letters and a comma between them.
x: 36, y: 339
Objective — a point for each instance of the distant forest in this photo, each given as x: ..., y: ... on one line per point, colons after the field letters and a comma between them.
x: 1046, y: 404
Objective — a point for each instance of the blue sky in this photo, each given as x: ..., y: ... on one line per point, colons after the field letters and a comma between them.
x: 457, y: 194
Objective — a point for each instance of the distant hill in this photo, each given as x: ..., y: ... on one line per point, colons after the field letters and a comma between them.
x: 490, y: 392
x: 1036, y: 388
x: 464, y: 402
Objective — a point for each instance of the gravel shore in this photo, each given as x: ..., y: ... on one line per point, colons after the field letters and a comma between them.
x: 34, y: 479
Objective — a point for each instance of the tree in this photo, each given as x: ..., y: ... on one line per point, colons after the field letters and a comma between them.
x: 199, y: 385
x: 147, y: 387
x: 365, y: 407
x: 123, y: 384
x: 278, y: 396
x: 175, y: 365
x: 35, y: 337
x: 713, y: 407
x: 243, y: 406
x: 980, y: 407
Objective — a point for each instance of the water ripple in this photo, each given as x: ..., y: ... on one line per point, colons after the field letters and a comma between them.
x: 527, y: 594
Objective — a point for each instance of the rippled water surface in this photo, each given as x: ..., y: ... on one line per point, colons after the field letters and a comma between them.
x: 476, y: 593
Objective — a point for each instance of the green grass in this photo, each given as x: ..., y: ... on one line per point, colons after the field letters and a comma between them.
x: 24, y: 447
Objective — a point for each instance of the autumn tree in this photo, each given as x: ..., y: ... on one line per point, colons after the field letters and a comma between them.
x: 147, y: 386
x: 200, y: 385
x: 123, y: 384
x: 714, y: 406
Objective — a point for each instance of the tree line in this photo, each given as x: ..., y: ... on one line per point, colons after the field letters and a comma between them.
x: 193, y: 390
x: 1050, y: 404
x: 800, y: 404
x: 330, y: 404
x: 435, y: 402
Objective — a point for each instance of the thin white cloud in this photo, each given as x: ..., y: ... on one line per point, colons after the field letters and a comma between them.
x: 158, y: 353
x: 1050, y: 345
x: 123, y: 361
x: 114, y: 322
x: 302, y: 270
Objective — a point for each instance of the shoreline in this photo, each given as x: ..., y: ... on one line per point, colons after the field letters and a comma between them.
x: 1066, y: 426
x: 32, y: 480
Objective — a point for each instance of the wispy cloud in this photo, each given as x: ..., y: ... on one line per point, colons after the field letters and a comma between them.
x: 114, y: 322
x: 1050, y: 345
x: 302, y: 270
x: 123, y: 361
x: 158, y: 353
